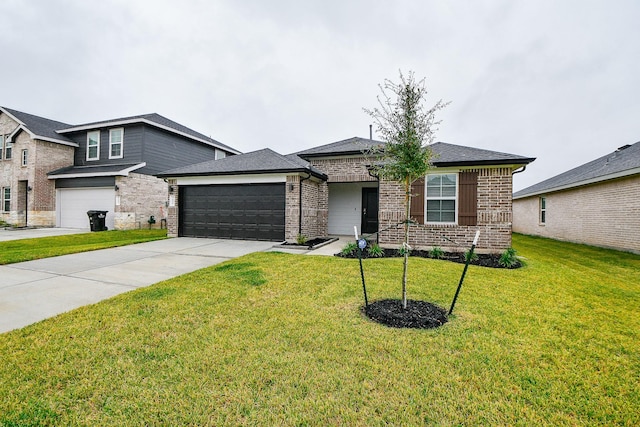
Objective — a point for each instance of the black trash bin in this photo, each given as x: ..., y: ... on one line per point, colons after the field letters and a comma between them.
x: 96, y: 220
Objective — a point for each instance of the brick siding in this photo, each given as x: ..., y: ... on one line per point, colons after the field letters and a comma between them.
x: 494, y: 217
x: 172, y: 208
x: 315, y: 212
x: 345, y: 169
x: 42, y: 157
x: 140, y: 197
x: 605, y: 214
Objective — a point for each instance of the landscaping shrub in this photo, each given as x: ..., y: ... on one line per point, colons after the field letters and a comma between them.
x: 508, y: 258
x: 375, y: 251
x: 436, y: 253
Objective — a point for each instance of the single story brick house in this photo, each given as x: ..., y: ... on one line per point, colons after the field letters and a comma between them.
x: 597, y: 203
x: 327, y: 190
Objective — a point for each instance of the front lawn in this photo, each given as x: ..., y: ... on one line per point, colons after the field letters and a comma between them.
x: 13, y: 251
x: 279, y: 339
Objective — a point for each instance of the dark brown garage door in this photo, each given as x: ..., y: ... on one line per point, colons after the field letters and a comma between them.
x: 239, y: 211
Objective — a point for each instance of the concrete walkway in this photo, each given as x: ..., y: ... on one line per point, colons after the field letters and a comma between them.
x: 36, y: 290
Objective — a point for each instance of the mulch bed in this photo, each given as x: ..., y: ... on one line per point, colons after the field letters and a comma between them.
x: 418, y: 314
x: 309, y: 244
x: 484, y: 260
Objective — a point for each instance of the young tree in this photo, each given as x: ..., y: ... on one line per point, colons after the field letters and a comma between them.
x: 408, y: 128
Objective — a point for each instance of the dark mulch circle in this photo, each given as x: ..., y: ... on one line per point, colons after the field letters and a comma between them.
x: 418, y: 314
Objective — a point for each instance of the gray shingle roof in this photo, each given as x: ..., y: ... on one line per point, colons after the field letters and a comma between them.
x: 458, y: 155
x: 445, y: 154
x: 98, y: 170
x: 255, y: 162
x: 40, y: 127
x: 353, y: 145
x: 152, y: 118
x: 622, y: 162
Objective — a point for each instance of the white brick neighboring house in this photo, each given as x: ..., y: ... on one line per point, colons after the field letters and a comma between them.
x: 597, y: 203
x: 52, y: 173
x: 327, y: 190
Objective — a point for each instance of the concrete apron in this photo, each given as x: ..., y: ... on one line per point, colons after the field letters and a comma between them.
x: 36, y: 290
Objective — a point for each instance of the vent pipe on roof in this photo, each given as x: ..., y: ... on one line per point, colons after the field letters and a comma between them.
x: 370, y: 132
x: 624, y: 147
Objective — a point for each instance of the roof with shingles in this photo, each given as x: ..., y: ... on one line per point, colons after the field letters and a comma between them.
x: 255, y: 162
x: 458, y: 155
x: 622, y: 162
x: 152, y: 118
x: 355, y: 145
x: 95, y: 170
x: 40, y: 127
x: 444, y: 154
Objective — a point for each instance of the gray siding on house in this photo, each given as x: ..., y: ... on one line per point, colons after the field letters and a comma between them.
x: 164, y: 151
x: 159, y: 149
x: 100, y: 181
x: 132, y: 146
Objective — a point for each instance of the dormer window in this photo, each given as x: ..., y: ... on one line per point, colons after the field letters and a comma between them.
x: 93, y: 145
x: 116, y: 137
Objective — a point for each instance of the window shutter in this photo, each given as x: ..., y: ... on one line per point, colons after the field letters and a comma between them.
x: 468, y: 198
x: 417, y: 200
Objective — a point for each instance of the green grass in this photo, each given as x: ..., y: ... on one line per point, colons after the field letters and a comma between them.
x: 279, y: 339
x: 44, y: 247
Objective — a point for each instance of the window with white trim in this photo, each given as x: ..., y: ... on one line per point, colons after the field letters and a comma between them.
x: 93, y: 145
x: 23, y: 158
x: 441, y: 195
x: 8, y: 148
x: 6, y: 199
x: 543, y: 210
x: 1, y: 147
x: 116, y: 137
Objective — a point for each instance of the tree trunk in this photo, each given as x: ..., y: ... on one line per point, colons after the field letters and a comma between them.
x: 407, y: 201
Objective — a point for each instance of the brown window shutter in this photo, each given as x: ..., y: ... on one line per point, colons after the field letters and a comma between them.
x: 468, y: 198
x: 417, y: 200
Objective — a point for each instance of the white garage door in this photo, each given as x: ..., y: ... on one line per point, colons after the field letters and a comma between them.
x: 73, y: 204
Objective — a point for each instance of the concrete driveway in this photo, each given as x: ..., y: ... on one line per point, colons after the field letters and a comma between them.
x: 35, y: 290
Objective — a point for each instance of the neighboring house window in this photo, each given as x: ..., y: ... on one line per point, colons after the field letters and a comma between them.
x: 6, y: 199
x: 543, y: 210
x: 115, y: 143
x: 220, y: 154
x: 441, y: 197
x: 93, y: 145
x: 24, y: 157
x: 7, y: 148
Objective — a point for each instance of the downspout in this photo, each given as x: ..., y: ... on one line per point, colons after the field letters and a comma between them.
x: 519, y: 170
x: 300, y: 204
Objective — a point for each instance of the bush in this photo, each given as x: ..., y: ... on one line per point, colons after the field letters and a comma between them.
x: 508, y: 258
x: 301, y: 239
x: 349, y: 249
x: 436, y: 253
x: 375, y: 251
x: 470, y: 257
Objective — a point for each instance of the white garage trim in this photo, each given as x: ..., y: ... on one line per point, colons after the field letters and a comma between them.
x: 72, y: 205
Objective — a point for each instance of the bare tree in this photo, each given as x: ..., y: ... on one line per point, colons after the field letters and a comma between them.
x: 408, y: 128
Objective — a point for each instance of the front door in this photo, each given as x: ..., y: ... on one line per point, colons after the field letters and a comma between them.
x: 369, y: 210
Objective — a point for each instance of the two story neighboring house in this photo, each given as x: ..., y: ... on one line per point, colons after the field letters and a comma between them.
x: 55, y: 172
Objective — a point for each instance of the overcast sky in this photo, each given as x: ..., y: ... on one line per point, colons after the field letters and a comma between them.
x: 551, y: 79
